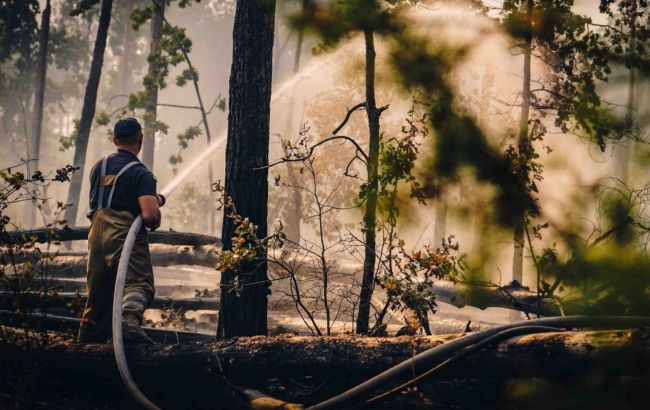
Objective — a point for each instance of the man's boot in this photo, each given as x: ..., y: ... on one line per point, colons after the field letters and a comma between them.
x: 132, y: 329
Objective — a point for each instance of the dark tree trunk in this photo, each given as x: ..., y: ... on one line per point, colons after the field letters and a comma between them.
x: 149, y: 143
x: 244, y: 313
x: 88, y: 112
x: 370, y: 215
x: 523, y: 145
x: 39, y: 96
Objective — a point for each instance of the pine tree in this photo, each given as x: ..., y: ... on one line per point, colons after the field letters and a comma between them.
x: 244, y: 293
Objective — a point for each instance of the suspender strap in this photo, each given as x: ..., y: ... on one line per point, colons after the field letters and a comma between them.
x: 100, y: 200
x: 117, y: 177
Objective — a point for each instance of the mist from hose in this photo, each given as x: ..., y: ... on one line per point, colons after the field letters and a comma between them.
x: 205, y: 155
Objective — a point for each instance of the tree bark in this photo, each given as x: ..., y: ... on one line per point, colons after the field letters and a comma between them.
x: 150, y: 114
x: 370, y: 215
x: 246, y: 177
x: 523, y: 145
x: 251, y: 359
x: 39, y: 97
x: 88, y: 112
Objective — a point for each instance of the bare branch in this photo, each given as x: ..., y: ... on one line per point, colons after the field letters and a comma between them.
x: 347, y: 117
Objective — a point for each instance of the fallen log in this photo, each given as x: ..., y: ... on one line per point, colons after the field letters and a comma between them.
x: 552, y: 355
x: 513, y: 296
x: 81, y: 233
x: 36, y: 300
x: 73, y: 264
x: 48, y: 322
x: 79, y: 285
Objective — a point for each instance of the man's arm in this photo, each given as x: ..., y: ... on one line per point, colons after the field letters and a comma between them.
x: 150, y: 211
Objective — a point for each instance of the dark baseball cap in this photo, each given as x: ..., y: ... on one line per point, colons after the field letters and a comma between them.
x: 126, y: 127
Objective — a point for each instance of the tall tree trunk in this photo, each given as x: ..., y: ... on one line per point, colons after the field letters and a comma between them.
x: 243, y: 310
x: 487, y: 91
x: 440, y: 226
x: 293, y: 214
x: 39, y: 96
x: 88, y: 112
x: 626, y: 147
x: 127, y: 33
x: 370, y: 215
x: 523, y: 145
x: 149, y: 143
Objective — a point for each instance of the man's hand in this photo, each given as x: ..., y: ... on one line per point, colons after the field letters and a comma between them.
x: 150, y: 211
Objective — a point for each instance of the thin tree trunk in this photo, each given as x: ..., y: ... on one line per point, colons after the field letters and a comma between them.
x: 39, y: 96
x: 244, y: 308
x: 487, y: 91
x: 294, y: 208
x: 625, y: 149
x: 440, y: 227
x: 88, y: 112
x: 149, y: 143
x: 370, y: 215
x: 125, y: 75
x: 523, y: 144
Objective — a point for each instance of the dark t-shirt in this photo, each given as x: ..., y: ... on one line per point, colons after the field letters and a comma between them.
x: 133, y: 183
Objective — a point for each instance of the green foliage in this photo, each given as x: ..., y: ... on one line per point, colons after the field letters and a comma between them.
x: 409, y: 278
x: 397, y: 156
x: 83, y: 6
x: 67, y: 141
x: 187, y: 75
x: 579, y: 53
x: 183, y: 142
x: 246, y: 245
x: 102, y: 118
x: 18, y: 32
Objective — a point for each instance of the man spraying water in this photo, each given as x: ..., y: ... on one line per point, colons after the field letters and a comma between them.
x: 121, y: 188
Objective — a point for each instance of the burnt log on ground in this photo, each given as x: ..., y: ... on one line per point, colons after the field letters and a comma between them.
x: 50, y: 322
x: 513, y: 296
x: 79, y: 285
x: 81, y: 233
x: 73, y: 264
x: 343, y: 360
x: 35, y: 300
x: 554, y: 354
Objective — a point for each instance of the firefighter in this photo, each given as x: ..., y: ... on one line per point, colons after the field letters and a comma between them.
x: 121, y: 188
